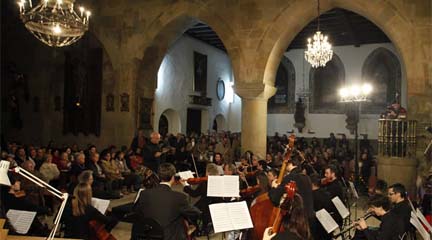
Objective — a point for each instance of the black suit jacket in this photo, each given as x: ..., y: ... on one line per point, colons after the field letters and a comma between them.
x: 166, y: 207
x: 304, y: 188
x: 391, y: 228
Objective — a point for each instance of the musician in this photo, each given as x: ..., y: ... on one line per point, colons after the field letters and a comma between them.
x: 201, y: 191
x: 272, y: 174
x: 303, y: 184
x: 332, y: 184
x: 391, y: 227
x: 79, y: 212
x: 295, y: 223
x: 321, y: 199
x: 165, y: 206
x: 398, y: 197
x: 152, y: 152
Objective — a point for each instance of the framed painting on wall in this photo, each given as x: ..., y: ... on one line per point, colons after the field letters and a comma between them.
x: 124, y: 102
x: 200, y: 73
x: 109, y: 105
x: 145, y: 113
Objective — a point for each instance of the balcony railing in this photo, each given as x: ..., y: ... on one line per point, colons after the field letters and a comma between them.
x: 397, y: 137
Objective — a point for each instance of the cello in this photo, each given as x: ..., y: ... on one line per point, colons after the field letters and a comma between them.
x: 263, y: 212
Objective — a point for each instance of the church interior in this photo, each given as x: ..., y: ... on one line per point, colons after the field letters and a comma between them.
x: 216, y: 119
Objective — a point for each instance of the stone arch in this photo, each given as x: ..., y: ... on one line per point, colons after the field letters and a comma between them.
x: 296, y: 16
x: 220, y: 123
x: 173, y: 22
x: 284, y: 99
x: 323, y: 82
x: 173, y: 117
x: 383, y: 70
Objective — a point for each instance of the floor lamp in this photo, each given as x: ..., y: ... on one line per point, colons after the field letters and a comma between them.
x: 356, y: 94
x: 4, y: 180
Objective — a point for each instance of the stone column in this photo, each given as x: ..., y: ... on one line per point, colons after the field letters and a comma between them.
x: 254, y: 125
x: 254, y: 97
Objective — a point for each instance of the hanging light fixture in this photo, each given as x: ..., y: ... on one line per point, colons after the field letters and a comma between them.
x: 318, y: 52
x: 54, y: 22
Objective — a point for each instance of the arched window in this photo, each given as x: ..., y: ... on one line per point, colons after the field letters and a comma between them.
x: 284, y: 99
x: 324, y: 82
x: 383, y: 70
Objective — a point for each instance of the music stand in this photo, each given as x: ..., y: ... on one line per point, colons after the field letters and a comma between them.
x: 4, y: 180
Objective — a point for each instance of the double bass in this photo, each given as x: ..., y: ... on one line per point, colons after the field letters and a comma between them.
x: 263, y: 212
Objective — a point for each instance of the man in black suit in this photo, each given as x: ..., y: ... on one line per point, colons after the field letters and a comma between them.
x: 333, y: 185
x: 152, y: 152
x: 167, y: 207
x: 392, y: 224
x: 304, y: 186
x: 397, y: 196
x: 322, y: 200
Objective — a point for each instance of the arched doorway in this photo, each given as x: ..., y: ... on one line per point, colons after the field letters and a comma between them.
x: 163, y: 125
x: 219, y: 123
x: 169, y: 121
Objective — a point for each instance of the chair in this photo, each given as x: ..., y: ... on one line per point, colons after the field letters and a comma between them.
x: 147, y: 229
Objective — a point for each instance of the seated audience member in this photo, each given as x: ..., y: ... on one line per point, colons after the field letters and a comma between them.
x: 391, y: 227
x: 165, y: 206
x: 80, y: 212
x: 33, y: 192
x: 295, y: 223
x: 131, y: 180
x: 48, y: 169
x: 111, y: 171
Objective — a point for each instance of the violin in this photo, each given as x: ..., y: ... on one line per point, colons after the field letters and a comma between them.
x: 98, y: 231
x: 197, y: 180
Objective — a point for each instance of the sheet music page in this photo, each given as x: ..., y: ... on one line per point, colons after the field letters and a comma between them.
x: 20, y: 220
x: 223, y: 186
x: 220, y: 217
x: 416, y: 223
x: 100, y: 204
x: 423, y: 219
x: 343, y: 211
x: 353, y: 189
x: 186, y: 175
x: 326, y: 220
x: 240, y: 216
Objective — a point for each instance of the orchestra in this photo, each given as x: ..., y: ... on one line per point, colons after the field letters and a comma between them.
x: 282, y: 198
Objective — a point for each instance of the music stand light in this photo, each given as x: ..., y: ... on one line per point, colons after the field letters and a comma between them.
x: 4, y: 180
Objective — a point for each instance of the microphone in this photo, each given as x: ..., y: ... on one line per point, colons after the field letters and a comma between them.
x: 429, y: 129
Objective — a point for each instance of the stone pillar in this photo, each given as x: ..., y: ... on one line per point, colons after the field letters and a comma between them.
x: 254, y: 125
x: 398, y: 170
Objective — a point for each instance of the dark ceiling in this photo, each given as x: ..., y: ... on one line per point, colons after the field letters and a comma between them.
x: 343, y: 27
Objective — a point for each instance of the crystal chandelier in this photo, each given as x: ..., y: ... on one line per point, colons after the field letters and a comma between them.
x: 319, y: 51
x: 54, y: 22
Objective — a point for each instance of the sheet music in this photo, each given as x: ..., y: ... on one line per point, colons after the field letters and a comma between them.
x: 343, y: 211
x: 353, y: 189
x: 416, y: 223
x: 20, y: 220
x: 326, y: 220
x: 223, y: 186
x: 186, y: 175
x: 423, y: 219
x: 230, y: 216
x: 100, y: 204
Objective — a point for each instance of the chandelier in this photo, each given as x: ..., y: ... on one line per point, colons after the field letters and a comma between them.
x: 319, y: 51
x: 54, y: 22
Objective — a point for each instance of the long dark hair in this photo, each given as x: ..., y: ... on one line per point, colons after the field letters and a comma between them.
x: 295, y: 220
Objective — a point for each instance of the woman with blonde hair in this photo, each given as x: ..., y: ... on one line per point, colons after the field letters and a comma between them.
x: 81, y: 212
